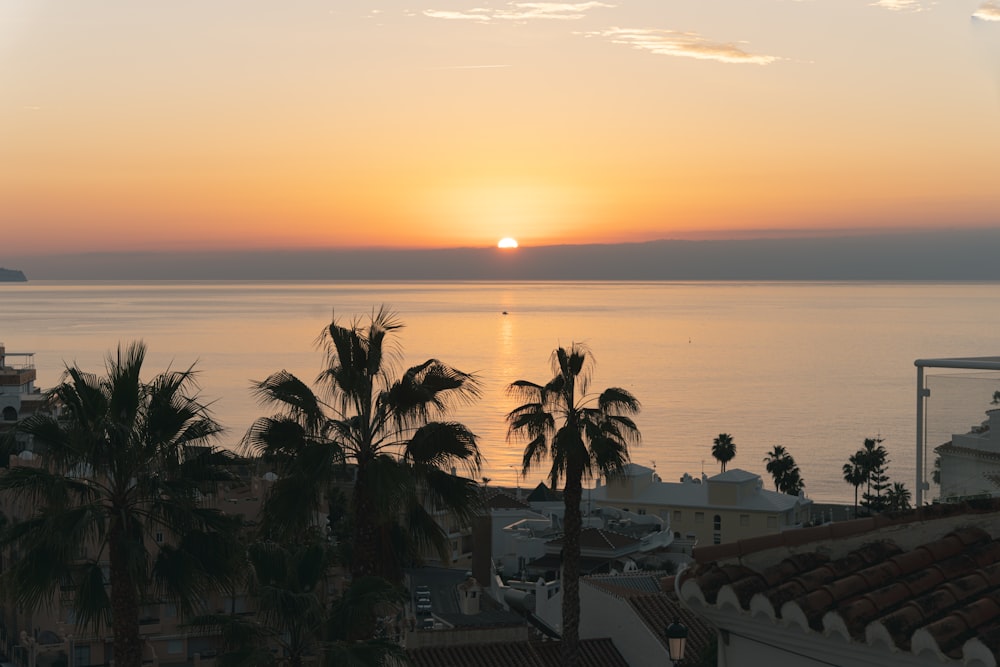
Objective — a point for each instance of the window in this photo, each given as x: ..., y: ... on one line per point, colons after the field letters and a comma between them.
x: 174, y: 646
x: 717, y: 539
x: 717, y: 522
x: 641, y: 510
x: 744, y: 520
x: 159, y: 537
x: 772, y: 522
x: 9, y: 414
x: 677, y: 516
x: 699, y: 517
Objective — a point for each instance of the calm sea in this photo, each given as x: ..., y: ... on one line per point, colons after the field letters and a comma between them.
x: 816, y: 367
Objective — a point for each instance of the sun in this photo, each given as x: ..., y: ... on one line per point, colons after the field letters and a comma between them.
x: 507, y: 242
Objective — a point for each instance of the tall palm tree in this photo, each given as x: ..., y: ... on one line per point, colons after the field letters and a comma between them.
x: 723, y: 449
x: 581, y: 434
x: 381, y: 425
x: 855, y: 475
x: 777, y: 463
x: 125, y: 459
x: 787, y: 476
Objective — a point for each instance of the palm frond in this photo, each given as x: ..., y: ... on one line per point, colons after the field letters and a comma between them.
x: 443, y: 445
x: 294, y: 397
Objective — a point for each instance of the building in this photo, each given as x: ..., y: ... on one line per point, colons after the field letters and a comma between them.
x: 634, y: 610
x: 918, y: 588
x: 731, y: 506
x: 969, y: 465
x: 19, y: 398
x: 50, y: 632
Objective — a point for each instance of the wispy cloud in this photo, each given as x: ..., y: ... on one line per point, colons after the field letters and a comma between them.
x: 903, y: 5
x: 472, y: 67
x: 520, y: 11
x: 988, y: 11
x: 682, y: 44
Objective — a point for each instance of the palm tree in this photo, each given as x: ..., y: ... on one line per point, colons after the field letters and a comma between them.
x: 289, y: 585
x: 784, y: 470
x: 382, y: 426
x: 723, y: 449
x: 580, y: 433
x: 854, y: 474
x: 898, y: 497
x: 125, y: 459
x: 778, y: 462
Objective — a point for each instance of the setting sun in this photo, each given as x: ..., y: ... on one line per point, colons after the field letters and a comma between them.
x: 507, y: 242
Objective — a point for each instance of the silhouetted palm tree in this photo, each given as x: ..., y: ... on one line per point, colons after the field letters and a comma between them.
x: 784, y: 470
x: 723, y: 449
x: 124, y: 460
x: 382, y: 426
x: 580, y: 434
x: 854, y: 474
x: 898, y: 497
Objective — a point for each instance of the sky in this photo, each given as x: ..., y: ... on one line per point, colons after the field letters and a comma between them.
x: 228, y: 125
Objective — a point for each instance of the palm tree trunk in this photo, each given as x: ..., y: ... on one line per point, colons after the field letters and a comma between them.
x: 573, y: 523
x: 124, y: 604
x: 364, y: 553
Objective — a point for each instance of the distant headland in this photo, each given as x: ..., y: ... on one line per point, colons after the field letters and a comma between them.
x: 952, y: 255
x: 12, y: 276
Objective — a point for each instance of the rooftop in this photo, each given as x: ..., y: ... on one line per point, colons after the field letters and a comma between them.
x: 593, y: 653
x: 925, y: 581
x: 695, y: 494
x: 654, y: 602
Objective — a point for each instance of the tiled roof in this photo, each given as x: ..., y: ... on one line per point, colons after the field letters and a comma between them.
x: 734, y: 475
x: 542, y: 494
x: 657, y: 607
x: 922, y: 581
x: 593, y: 653
x: 596, y: 538
x: 502, y: 500
x: 628, y: 583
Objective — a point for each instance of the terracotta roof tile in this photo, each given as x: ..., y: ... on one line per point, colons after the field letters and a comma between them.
x: 499, y: 499
x: 593, y: 653
x: 934, y: 585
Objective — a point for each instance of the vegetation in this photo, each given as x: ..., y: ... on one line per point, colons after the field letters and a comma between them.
x: 897, y: 497
x: 723, y: 450
x: 785, y: 472
x: 290, y: 585
x: 125, y: 462
x: 854, y: 474
x: 869, y: 467
x: 382, y: 426
x: 579, y: 433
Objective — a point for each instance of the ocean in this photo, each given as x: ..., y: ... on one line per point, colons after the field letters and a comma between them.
x: 816, y: 367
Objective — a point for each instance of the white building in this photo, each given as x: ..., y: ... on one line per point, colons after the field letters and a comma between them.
x: 19, y: 397
x: 970, y: 463
x: 709, y: 510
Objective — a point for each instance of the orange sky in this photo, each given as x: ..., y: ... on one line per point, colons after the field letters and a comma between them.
x: 244, y: 124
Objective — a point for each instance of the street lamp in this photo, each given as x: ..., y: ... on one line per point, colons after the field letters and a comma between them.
x: 677, y: 635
